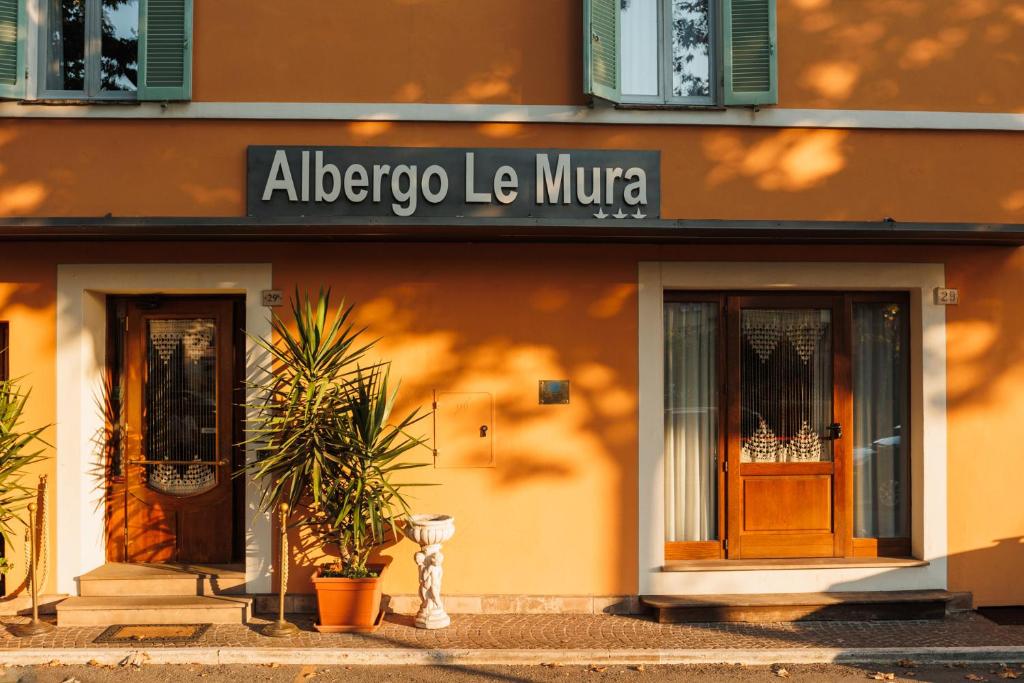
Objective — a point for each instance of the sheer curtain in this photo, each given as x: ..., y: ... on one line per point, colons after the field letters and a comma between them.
x: 691, y: 421
x: 881, y: 466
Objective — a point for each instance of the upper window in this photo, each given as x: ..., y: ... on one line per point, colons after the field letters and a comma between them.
x: 666, y: 51
x: 92, y: 48
x: 684, y: 52
x: 98, y: 50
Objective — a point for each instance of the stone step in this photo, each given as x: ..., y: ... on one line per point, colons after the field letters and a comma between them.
x: 772, y: 607
x: 152, y: 609
x: 121, y: 579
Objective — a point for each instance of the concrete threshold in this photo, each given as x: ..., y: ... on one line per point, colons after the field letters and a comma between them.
x: 129, y: 657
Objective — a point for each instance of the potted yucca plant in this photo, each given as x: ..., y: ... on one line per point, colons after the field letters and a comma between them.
x: 330, y: 450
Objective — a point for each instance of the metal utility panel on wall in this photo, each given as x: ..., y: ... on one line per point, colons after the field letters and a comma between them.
x: 463, y: 429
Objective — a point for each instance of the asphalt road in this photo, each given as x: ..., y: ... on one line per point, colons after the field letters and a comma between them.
x: 505, y: 674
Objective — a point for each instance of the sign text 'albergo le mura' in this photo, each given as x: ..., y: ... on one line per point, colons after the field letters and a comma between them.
x: 324, y: 182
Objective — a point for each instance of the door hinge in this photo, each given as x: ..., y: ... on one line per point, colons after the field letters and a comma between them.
x: 725, y: 465
x: 726, y: 542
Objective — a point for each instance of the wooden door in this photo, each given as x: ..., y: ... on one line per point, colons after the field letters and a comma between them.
x: 178, y: 378
x: 787, y: 455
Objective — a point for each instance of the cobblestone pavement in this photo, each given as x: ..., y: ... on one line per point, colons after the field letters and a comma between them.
x: 573, y: 632
x: 510, y: 674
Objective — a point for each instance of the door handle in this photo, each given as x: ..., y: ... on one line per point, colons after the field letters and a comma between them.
x: 835, y: 431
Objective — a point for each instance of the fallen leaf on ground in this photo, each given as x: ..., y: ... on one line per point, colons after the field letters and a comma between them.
x: 974, y: 677
x: 550, y: 664
x: 906, y: 663
x: 71, y: 680
x: 883, y: 676
x: 1008, y: 673
x: 135, y: 659
x: 639, y: 667
x: 597, y: 668
x: 782, y: 673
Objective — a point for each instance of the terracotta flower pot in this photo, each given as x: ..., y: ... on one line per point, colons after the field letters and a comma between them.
x: 350, y: 604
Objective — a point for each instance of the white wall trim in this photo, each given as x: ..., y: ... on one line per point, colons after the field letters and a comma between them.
x: 928, y: 428
x: 81, y: 343
x: 501, y: 113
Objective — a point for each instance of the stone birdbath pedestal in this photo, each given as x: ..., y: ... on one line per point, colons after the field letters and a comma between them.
x: 430, y: 531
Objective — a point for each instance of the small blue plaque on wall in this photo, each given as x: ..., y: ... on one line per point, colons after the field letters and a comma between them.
x: 554, y: 391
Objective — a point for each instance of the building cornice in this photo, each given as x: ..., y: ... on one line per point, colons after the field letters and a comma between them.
x: 482, y: 229
x: 545, y: 114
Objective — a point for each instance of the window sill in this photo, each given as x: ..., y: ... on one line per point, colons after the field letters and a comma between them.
x: 650, y: 106
x: 78, y: 102
x: 800, y: 563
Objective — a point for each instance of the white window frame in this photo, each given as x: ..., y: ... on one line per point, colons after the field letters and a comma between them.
x: 665, y: 96
x: 93, y: 47
x: 929, y: 540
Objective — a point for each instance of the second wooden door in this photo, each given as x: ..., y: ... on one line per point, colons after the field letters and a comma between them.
x: 786, y: 454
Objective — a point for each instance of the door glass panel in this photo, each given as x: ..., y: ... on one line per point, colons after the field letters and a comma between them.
x: 180, y: 415
x: 785, y: 385
x: 881, y: 464
x: 691, y: 421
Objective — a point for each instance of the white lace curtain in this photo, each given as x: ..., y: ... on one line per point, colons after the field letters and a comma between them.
x: 691, y: 421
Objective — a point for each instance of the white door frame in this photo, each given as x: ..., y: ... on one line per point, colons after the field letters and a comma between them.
x: 928, y: 422
x: 82, y: 290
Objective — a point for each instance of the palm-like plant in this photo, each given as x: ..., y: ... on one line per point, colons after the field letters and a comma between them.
x: 19, y: 448
x: 323, y: 428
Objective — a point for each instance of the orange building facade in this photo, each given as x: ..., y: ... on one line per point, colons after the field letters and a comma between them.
x: 770, y: 385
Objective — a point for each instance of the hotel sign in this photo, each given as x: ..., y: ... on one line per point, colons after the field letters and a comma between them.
x: 328, y: 182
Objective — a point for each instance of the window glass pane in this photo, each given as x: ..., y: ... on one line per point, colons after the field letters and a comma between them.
x: 881, y: 463
x: 120, y: 45
x: 691, y: 67
x: 691, y: 421
x: 639, y: 45
x: 180, y: 418
x: 785, y: 385
x: 65, y: 64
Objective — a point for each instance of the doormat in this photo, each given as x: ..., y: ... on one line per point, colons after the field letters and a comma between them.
x: 1004, y: 616
x: 153, y: 633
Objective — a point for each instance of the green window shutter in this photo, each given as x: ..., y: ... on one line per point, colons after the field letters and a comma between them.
x: 165, y: 49
x: 13, y: 24
x: 751, y: 75
x: 601, y: 48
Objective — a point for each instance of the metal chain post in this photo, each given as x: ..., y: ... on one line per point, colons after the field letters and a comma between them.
x: 36, y: 626
x: 44, y: 541
x: 282, y: 628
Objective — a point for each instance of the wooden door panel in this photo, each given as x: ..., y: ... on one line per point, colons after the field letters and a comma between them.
x: 787, y: 503
x: 152, y: 531
x: 207, y: 547
x: 776, y: 545
x: 178, y: 425
x: 787, y: 385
